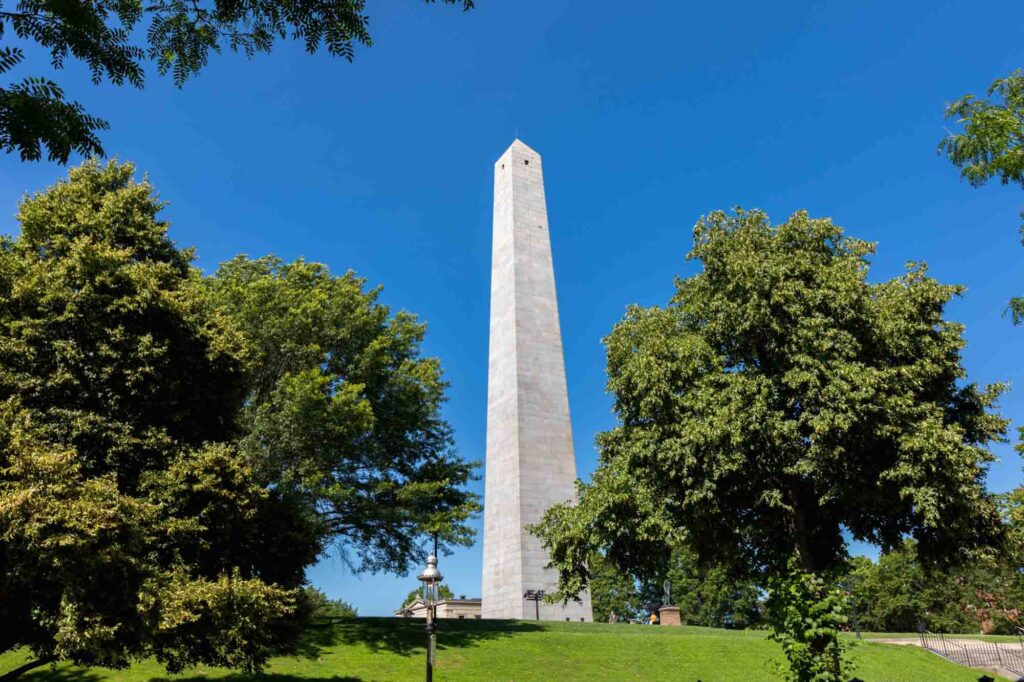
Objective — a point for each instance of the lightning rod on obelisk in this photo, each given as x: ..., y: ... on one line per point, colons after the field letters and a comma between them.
x: 530, y: 462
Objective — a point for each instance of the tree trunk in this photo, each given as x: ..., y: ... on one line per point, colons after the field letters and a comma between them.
x: 31, y: 665
x: 798, y: 531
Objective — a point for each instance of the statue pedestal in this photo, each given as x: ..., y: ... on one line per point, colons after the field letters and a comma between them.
x: 669, y: 615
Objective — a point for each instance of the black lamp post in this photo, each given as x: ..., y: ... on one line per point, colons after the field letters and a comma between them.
x: 535, y: 596
x: 431, y: 579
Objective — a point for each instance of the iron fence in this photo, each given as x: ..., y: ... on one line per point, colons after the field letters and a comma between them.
x: 977, y: 653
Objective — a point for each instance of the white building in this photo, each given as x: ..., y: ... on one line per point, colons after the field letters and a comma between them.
x: 462, y: 608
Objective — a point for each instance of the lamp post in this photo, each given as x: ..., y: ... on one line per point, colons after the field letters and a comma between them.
x: 535, y: 596
x: 431, y: 579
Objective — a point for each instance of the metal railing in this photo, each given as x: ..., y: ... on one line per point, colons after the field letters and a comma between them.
x: 976, y: 653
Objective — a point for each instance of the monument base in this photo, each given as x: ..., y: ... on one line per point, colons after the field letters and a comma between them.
x: 669, y: 615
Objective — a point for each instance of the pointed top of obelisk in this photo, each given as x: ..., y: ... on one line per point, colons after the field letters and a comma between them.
x: 519, y: 143
x: 519, y: 148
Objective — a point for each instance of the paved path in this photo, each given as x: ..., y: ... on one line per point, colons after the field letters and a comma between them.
x: 1006, y: 658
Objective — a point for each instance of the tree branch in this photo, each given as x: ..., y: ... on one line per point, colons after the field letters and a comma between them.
x: 26, y: 15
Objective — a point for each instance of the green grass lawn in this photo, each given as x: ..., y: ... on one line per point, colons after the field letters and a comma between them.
x: 391, y: 649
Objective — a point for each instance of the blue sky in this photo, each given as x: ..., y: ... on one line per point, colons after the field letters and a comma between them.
x: 648, y: 114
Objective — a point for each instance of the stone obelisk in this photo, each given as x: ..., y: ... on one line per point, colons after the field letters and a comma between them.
x: 530, y: 461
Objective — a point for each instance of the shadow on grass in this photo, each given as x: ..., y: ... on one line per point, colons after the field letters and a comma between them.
x: 405, y: 636
x: 259, y: 677
x: 72, y: 674
x: 401, y: 636
x: 63, y: 674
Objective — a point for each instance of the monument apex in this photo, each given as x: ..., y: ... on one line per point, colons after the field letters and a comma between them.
x: 530, y: 464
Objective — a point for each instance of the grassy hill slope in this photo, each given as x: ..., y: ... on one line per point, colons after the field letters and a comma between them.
x: 389, y: 649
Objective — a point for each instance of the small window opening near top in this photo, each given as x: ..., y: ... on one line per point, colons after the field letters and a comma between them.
x: 503, y: 165
x: 527, y: 162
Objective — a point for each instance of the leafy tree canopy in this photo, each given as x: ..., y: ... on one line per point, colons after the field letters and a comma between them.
x: 897, y: 594
x: 176, y: 450
x: 712, y: 595
x: 707, y: 595
x: 992, y: 142
x: 342, y: 414
x: 179, y: 37
x: 321, y: 606
x: 612, y: 589
x: 128, y: 525
x: 779, y: 398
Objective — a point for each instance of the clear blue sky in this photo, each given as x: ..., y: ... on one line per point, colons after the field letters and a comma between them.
x: 647, y: 114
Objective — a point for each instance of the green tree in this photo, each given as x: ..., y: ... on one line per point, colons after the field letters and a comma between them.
x: 996, y: 599
x: 321, y: 606
x: 898, y: 594
x: 129, y: 525
x: 707, y: 595
x: 342, y: 413
x: 612, y: 589
x: 779, y: 398
x: 443, y: 591
x: 807, y: 615
x: 992, y: 142
x: 179, y: 38
x: 712, y: 595
x: 1012, y: 505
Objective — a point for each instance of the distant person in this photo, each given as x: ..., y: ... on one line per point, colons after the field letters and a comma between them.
x: 613, y: 617
x: 654, y: 618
